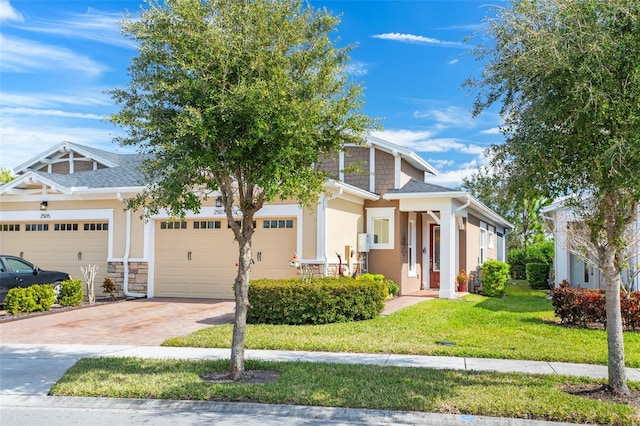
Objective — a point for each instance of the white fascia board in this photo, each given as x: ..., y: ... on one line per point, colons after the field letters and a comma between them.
x: 475, y: 203
x: 62, y: 146
x: 352, y: 190
x: 407, y: 154
x: 31, y: 178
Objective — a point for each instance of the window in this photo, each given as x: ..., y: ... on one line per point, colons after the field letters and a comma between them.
x: 411, y: 245
x: 483, y: 238
x: 173, y: 225
x: 491, y: 236
x: 96, y: 226
x: 37, y: 227
x: 66, y: 227
x: 207, y: 224
x: 274, y: 224
x: 380, y: 227
x: 10, y: 227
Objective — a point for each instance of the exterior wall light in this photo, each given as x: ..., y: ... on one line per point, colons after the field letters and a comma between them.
x: 43, y: 205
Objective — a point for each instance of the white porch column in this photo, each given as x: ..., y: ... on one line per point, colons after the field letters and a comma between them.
x: 447, y: 253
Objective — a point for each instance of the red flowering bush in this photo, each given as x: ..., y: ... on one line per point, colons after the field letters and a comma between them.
x: 583, y: 306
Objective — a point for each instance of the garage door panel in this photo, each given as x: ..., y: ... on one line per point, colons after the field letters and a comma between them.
x: 49, y: 247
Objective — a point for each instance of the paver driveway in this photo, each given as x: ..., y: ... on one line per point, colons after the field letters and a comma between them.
x: 134, y: 322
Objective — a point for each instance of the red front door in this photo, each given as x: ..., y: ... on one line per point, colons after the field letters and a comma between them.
x: 434, y: 256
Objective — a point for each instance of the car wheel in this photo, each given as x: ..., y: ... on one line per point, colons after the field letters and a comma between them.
x: 56, y: 289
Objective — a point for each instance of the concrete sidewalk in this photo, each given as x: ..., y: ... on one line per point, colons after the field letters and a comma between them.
x: 29, y: 370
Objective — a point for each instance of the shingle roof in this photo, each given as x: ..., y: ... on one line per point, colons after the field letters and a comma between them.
x: 124, y: 175
x: 415, y: 186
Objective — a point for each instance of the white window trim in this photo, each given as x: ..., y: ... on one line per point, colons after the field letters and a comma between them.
x: 381, y: 213
x: 483, y: 236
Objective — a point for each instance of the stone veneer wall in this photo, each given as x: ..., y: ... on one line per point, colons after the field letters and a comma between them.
x: 138, y: 276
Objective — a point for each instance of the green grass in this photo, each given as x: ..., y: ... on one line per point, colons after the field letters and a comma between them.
x: 356, y: 386
x: 519, y: 326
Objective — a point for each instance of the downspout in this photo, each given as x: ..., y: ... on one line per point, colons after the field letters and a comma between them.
x: 125, y: 260
x: 465, y: 205
x: 325, y: 203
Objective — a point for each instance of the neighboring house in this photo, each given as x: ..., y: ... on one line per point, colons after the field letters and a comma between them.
x: 570, y: 266
x: 66, y: 209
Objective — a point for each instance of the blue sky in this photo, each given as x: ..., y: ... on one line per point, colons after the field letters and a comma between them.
x: 58, y: 57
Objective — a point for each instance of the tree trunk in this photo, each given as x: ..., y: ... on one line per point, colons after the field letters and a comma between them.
x: 615, y: 340
x: 242, y: 304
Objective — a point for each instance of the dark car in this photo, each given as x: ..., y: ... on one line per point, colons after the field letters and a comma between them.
x: 16, y: 272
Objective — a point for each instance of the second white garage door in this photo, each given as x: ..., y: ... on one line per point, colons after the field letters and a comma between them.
x: 197, y: 258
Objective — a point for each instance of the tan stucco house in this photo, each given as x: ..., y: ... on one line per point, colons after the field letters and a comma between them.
x: 66, y: 209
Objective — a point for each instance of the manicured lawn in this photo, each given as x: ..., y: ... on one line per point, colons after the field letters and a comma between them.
x: 357, y: 386
x: 519, y: 326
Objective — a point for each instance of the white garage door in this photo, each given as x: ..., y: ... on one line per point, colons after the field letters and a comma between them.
x: 197, y: 258
x: 61, y: 246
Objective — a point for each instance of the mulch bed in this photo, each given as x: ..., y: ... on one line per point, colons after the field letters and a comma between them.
x: 250, y: 376
x: 601, y: 392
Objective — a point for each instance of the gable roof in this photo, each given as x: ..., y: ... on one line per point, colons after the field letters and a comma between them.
x: 416, y: 189
x: 409, y: 156
x: 106, y: 158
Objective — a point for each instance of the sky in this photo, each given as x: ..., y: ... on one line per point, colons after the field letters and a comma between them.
x: 57, y: 59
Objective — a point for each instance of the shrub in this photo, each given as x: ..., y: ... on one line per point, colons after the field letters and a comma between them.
x: 321, y: 301
x: 71, y: 293
x: 537, y: 253
x: 494, y: 278
x: 392, y: 286
x: 584, y: 306
x: 538, y: 275
x: 38, y: 297
x: 108, y: 287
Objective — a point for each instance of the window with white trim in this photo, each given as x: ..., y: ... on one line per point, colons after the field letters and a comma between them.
x: 483, y: 239
x: 380, y: 227
x: 492, y: 231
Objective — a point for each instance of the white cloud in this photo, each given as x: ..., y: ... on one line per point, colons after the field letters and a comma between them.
x: 451, y: 179
x: 492, y: 131
x: 8, y: 13
x: 417, y: 39
x: 19, y: 143
x: 424, y: 141
x: 48, y: 113
x: 453, y: 61
x: 448, y: 117
x: 88, y: 97
x: 357, y: 68
x: 20, y: 55
x: 94, y: 25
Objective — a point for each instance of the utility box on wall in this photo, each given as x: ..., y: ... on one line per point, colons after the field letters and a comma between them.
x: 363, y: 243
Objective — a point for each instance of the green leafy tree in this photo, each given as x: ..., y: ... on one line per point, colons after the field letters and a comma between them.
x: 238, y: 97
x: 6, y: 175
x: 492, y: 188
x: 567, y: 74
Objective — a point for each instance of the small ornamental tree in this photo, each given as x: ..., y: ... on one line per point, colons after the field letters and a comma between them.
x: 566, y: 73
x: 240, y: 98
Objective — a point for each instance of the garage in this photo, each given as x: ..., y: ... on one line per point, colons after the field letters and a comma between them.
x: 197, y: 258
x: 63, y: 245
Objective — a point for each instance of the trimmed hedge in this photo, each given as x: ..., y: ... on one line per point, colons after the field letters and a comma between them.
x: 37, y: 297
x: 537, y: 253
x: 494, y: 278
x: 584, y: 306
x: 321, y: 301
x: 538, y: 275
x: 71, y: 293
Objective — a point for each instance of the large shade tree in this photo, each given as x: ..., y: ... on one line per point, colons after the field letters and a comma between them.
x: 567, y: 75
x: 237, y: 98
